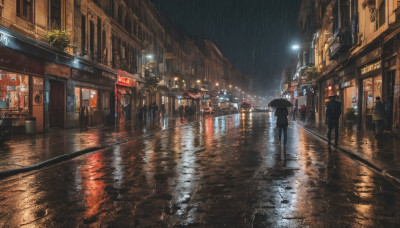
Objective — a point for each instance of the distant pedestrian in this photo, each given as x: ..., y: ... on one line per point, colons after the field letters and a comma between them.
x: 145, y: 112
x: 282, y: 123
x: 127, y: 112
x: 388, y: 113
x: 378, y: 116
x: 303, y: 112
x: 154, y: 110
x: 163, y: 110
x: 181, y: 111
x: 187, y: 110
x: 333, y: 112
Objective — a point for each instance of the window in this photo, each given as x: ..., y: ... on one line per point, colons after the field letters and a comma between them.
x: 14, y: 91
x: 99, y: 43
x: 83, y: 33
x: 77, y: 99
x: 25, y: 9
x: 381, y: 14
x: 55, y: 14
x: 89, y: 97
x: 111, y: 8
x: 128, y: 25
x: 91, y: 29
x: 120, y: 15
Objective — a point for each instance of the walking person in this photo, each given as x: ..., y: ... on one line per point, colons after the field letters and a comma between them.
x: 378, y: 116
x: 127, y: 113
x: 333, y: 112
x: 388, y: 113
x: 163, y: 110
x: 282, y: 123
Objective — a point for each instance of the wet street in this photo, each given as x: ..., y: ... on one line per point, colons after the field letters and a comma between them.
x: 228, y: 171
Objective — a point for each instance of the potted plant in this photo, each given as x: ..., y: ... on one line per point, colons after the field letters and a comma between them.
x: 350, y: 117
x: 58, y: 38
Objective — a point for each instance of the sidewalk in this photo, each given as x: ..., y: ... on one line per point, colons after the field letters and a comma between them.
x: 381, y: 154
x: 24, y: 153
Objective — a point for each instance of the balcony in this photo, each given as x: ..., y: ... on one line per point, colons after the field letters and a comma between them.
x: 341, y: 43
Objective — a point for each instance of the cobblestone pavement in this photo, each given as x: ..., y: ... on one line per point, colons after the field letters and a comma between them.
x: 227, y: 171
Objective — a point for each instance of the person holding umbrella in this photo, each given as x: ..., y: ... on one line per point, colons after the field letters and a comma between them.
x: 281, y: 113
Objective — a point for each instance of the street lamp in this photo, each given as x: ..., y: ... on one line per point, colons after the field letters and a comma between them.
x: 149, y: 56
x: 295, y: 47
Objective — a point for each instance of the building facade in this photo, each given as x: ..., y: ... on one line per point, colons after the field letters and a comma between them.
x: 353, y: 46
x: 112, y: 48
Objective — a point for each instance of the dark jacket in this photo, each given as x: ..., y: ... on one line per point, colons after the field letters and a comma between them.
x: 333, y: 110
x: 282, y: 114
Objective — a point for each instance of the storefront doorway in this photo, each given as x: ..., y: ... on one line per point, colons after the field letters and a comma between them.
x: 56, y: 104
x: 372, y: 88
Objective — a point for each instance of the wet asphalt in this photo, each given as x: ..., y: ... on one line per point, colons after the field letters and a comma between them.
x: 228, y: 171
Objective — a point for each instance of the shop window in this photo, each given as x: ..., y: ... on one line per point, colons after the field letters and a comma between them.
x: 25, y: 9
x: 89, y: 97
x: 77, y: 99
x: 14, y: 92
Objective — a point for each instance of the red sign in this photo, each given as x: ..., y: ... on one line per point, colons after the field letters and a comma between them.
x: 126, y: 81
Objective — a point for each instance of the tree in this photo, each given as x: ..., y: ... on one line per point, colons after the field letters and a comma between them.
x: 312, y: 73
x: 151, y: 86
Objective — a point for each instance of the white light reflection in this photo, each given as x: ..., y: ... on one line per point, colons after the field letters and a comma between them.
x: 118, y: 168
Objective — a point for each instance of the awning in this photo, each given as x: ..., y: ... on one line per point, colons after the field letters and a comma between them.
x: 188, y: 95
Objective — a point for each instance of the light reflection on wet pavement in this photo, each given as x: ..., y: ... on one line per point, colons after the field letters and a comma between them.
x: 26, y: 151
x: 224, y: 171
x: 381, y: 151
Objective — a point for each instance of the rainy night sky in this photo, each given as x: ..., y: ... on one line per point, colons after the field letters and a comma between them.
x: 255, y: 35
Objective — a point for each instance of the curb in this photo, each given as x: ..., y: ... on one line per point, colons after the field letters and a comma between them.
x: 348, y: 152
x: 65, y: 157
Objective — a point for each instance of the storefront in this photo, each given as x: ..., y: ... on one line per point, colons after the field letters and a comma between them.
x: 350, y: 95
x: 126, y: 95
x: 21, y: 89
x: 90, y: 97
x: 371, y: 85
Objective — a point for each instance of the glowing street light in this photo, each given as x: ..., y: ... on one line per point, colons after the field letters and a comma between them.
x: 295, y: 47
x: 149, y: 56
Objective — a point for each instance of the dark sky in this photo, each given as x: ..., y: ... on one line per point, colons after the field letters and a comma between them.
x: 255, y: 35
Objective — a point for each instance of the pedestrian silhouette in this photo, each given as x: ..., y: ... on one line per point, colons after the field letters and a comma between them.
x: 333, y: 112
x: 282, y: 123
x: 378, y: 115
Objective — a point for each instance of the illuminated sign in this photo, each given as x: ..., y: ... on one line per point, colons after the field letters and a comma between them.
x: 126, y: 81
x: 347, y: 84
x: 371, y: 67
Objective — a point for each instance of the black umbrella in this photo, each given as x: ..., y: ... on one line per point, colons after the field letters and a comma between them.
x: 280, y: 103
